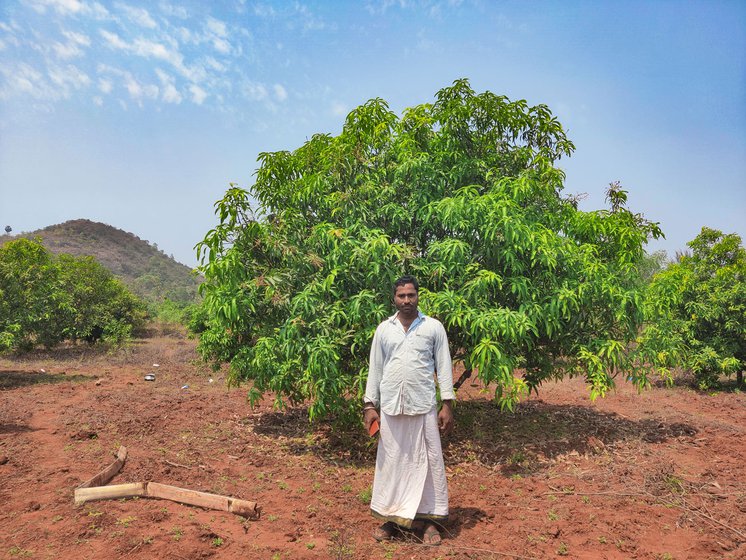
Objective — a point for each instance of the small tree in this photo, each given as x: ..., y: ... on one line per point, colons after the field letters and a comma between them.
x: 102, y: 306
x: 45, y: 300
x: 462, y: 193
x: 32, y: 302
x: 696, y: 310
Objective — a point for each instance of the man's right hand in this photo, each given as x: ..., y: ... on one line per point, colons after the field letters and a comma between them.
x: 369, y: 416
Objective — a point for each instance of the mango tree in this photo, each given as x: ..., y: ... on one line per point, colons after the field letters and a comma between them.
x: 465, y: 194
x: 696, y: 311
x: 47, y: 299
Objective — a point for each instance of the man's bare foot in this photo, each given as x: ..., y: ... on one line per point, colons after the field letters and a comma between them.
x: 384, y: 532
x: 431, y: 536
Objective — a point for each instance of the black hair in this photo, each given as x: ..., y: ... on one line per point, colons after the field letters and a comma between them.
x: 407, y: 279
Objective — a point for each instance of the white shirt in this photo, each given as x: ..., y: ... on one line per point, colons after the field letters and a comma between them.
x: 402, y: 364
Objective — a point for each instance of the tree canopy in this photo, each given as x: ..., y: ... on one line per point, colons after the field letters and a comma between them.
x: 696, y: 310
x: 464, y: 193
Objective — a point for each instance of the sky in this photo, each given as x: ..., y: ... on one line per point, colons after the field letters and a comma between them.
x: 140, y: 114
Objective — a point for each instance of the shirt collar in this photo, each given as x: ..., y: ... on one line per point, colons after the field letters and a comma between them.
x: 420, y: 317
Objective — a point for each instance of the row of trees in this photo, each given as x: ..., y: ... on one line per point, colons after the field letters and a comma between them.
x: 46, y: 299
x: 465, y: 194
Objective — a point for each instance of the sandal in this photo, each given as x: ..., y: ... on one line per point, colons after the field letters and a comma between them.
x: 431, y: 536
x: 384, y: 532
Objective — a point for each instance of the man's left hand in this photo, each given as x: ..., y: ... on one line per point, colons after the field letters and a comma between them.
x: 445, y: 418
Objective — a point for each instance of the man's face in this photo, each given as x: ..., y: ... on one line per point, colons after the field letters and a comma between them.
x: 405, y: 299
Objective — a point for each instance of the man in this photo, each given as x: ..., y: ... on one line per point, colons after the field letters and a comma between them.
x: 410, y: 478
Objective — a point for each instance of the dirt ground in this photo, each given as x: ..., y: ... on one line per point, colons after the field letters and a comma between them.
x: 657, y: 475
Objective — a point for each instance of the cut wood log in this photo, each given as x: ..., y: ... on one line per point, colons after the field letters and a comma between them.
x: 190, y: 497
x: 109, y: 472
x: 237, y: 506
x: 203, y: 499
x: 83, y: 495
x: 96, y: 489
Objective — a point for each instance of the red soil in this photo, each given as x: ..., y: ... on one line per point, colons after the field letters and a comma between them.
x: 657, y: 475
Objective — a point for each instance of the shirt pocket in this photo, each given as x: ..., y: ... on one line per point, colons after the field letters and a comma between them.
x: 423, y: 345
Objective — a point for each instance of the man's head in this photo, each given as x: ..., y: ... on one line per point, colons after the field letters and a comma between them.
x: 406, y: 295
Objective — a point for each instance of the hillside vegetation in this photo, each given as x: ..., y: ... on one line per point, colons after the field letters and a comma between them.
x: 145, y: 269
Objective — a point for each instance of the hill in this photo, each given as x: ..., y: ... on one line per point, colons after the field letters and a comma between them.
x: 145, y: 269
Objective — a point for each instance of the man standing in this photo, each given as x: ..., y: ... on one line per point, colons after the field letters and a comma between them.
x: 410, y: 479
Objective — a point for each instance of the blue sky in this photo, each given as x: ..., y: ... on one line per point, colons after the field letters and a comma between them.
x: 139, y: 114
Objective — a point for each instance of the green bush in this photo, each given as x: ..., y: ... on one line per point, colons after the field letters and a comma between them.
x: 463, y: 193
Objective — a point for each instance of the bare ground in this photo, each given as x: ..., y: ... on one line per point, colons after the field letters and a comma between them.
x: 657, y: 475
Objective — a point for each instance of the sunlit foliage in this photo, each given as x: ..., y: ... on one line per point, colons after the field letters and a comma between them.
x: 464, y: 194
x: 45, y: 300
x: 696, y: 310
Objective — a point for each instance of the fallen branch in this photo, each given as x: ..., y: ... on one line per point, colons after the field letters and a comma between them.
x: 165, y: 492
x: 613, y: 494
x: 176, y: 464
x: 109, y: 472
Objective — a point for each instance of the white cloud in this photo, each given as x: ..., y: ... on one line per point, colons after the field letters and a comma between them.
x: 98, y: 11
x: 60, y: 6
x: 254, y: 91
x: 216, y: 27
x: 151, y: 49
x: 67, y: 77
x: 214, y: 64
x: 309, y: 20
x: 195, y: 73
x: 11, y: 29
x: 59, y: 82
x: 221, y: 45
x: 147, y: 48
x: 198, y: 94
x: 113, y: 39
x: 217, y: 33
x: 140, y: 16
x: 380, y: 6
x: 280, y: 92
x: 98, y: 100
x: 139, y: 91
x: 186, y: 35
x: 133, y: 87
x: 70, y: 7
x: 21, y: 79
x: 173, y: 11
x: 78, y: 38
x: 67, y: 50
x: 105, y: 85
x: 170, y: 93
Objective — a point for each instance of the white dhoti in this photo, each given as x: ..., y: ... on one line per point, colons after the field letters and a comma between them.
x: 410, y: 478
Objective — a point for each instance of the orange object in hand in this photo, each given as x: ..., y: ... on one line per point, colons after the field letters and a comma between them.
x: 374, y: 428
